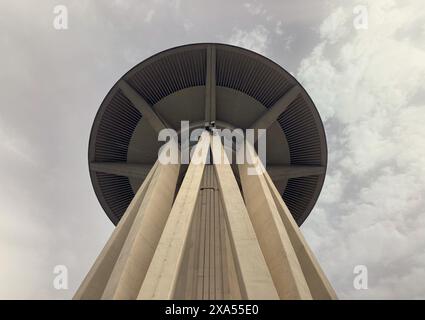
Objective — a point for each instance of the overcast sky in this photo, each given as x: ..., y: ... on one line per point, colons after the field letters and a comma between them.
x: 368, y: 85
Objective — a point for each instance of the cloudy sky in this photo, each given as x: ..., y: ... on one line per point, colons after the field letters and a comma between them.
x: 368, y: 85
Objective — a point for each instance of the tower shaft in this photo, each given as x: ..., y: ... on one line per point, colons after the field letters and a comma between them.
x: 210, y: 239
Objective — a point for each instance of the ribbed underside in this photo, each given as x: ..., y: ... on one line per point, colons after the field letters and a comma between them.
x: 169, y: 74
x: 185, y: 67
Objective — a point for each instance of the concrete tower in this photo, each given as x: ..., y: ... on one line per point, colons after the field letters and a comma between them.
x: 208, y: 229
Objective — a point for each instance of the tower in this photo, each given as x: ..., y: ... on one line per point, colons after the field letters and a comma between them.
x: 206, y: 229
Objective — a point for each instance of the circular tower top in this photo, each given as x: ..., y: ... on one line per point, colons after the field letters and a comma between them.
x: 124, y: 145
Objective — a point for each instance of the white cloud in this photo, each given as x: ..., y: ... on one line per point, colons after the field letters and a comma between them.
x: 256, y: 39
x: 16, y: 147
x: 335, y: 26
x: 364, y: 83
x: 278, y: 28
x: 149, y: 15
x: 255, y: 8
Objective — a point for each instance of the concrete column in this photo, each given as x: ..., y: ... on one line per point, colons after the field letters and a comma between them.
x: 95, y: 282
x: 293, y: 171
x: 272, y: 236
x: 272, y: 113
x: 254, y: 277
x: 161, y: 277
x: 318, y: 283
x: 210, y: 85
x: 131, y: 170
x: 137, y: 252
x: 144, y: 108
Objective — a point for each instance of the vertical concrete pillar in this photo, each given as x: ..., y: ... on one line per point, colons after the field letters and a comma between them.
x: 137, y: 252
x: 161, y: 277
x: 95, y: 282
x: 254, y: 277
x: 319, y: 285
x: 273, y: 238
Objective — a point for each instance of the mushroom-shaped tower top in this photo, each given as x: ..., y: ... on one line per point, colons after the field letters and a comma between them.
x: 250, y: 90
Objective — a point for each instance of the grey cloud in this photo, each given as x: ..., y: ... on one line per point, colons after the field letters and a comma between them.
x: 364, y: 83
